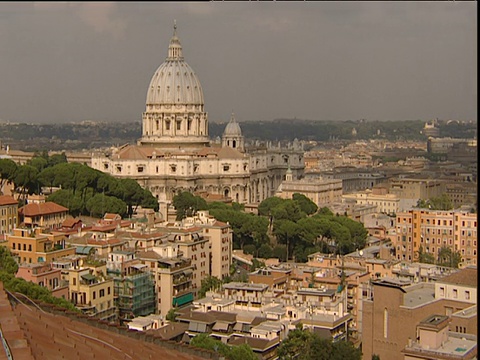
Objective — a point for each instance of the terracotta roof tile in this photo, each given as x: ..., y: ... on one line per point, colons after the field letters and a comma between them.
x: 467, y: 276
x: 46, y: 208
x: 35, y: 334
x: 7, y: 200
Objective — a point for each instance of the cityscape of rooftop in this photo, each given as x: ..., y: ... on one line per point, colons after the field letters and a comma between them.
x: 345, y: 240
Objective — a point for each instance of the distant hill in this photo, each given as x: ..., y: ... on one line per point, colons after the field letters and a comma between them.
x: 88, y: 135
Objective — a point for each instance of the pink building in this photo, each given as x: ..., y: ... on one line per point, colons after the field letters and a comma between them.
x: 44, y: 275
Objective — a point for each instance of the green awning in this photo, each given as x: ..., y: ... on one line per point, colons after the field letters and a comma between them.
x: 183, y: 299
x: 88, y: 277
x: 83, y: 250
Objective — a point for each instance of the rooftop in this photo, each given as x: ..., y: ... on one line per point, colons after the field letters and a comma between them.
x: 457, y: 345
x: 35, y: 334
x: 465, y: 277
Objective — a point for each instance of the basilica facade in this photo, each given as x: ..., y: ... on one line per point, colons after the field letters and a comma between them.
x: 175, y: 153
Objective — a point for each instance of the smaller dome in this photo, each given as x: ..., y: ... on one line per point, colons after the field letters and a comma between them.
x: 232, y: 128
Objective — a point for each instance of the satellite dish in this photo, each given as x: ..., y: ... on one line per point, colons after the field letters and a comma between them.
x: 361, y: 252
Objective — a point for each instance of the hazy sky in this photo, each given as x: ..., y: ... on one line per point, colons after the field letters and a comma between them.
x: 63, y: 61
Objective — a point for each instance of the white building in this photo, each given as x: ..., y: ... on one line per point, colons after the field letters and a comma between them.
x: 174, y: 153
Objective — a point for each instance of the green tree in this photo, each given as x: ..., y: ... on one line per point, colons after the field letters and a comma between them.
x: 7, y: 262
x: 204, y: 341
x: 57, y: 159
x: 208, y: 283
x: 256, y: 264
x: 265, y: 207
x: 287, y: 232
x: 306, y: 205
x: 133, y: 194
x: 325, y: 211
x: 8, y: 169
x: 171, y: 315
x: 345, y: 350
x: 47, y: 177
x: 26, y: 179
x: 250, y: 249
x: 149, y: 201
x: 38, y: 163
x: 65, y: 176
x: 295, y: 344
x: 67, y: 198
x: 188, y: 204
x: 425, y: 257
x: 304, y: 345
x: 265, y: 251
x: 287, y: 210
x: 241, y: 352
x: 441, y: 202
x: 280, y: 252
x: 100, y: 204
x: 448, y: 257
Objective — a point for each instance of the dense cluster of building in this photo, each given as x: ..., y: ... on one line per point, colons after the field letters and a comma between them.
x: 141, y: 271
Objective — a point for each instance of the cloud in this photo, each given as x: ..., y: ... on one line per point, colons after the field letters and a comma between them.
x: 101, y: 17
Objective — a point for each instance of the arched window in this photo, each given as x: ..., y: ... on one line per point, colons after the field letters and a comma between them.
x: 385, y: 323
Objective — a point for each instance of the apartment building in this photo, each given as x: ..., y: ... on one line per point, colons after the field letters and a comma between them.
x: 173, y: 276
x: 134, y: 289
x: 30, y: 246
x: 44, y: 275
x: 434, y: 229
x: 43, y: 214
x: 220, y: 239
x: 194, y: 246
x: 91, y: 291
x: 8, y: 214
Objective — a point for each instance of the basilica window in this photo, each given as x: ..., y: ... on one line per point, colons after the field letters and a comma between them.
x: 179, y: 125
x: 140, y: 169
x: 105, y: 166
x: 119, y: 168
x: 173, y: 168
x: 167, y: 125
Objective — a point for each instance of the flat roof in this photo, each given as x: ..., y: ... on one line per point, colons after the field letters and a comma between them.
x: 419, y: 295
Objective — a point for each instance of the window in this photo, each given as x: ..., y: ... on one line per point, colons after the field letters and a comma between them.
x: 108, y: 290
x: 442, y: 291
x: 467, y: 295
x: 94, y: 295
x: 179, y: 125
x: 385, y: 323
x: 102, y: 293
x: 455, y: 293
x: 140, y: 169
x: 167, y: 125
